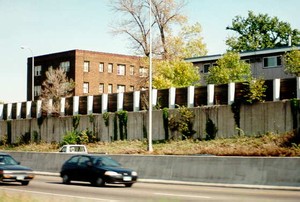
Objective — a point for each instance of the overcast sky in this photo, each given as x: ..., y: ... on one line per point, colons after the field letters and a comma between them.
x: 48, y: 26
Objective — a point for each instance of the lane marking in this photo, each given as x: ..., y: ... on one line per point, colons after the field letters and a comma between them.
x: 179, y: 195
x: 60, y: 195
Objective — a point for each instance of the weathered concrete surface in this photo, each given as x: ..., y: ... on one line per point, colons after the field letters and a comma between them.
x: 258, y: 118
x: 208, y: 169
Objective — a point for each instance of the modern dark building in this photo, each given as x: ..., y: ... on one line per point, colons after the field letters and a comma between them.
x: 93, y: 72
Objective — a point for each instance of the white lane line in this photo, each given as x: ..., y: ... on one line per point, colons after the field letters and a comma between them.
x: 179, y: 195
x: 60, y: 195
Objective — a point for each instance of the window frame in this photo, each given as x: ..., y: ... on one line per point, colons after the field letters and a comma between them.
x: 121, y: 70
x: 276, y: 59
x: 86, y: 66
x: 65, y: 66
x: 110, y: 68
x: 38, y: 70
x: 85, y: 88
x: 101, y: 66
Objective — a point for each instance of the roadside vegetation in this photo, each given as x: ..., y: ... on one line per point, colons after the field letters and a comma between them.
x: 264, y: 145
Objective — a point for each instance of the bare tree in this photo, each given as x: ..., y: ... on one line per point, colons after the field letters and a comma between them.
x: 135, y: 22
x: 56, y: 86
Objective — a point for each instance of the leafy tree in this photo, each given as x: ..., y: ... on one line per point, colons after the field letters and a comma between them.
x: 259, y: 32
x: 174, y: 73
x: 188, y: 43
x: 292, y: 62
x: 229, y: 68
x: 56, y: 86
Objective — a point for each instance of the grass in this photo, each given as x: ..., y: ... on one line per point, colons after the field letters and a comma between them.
x: 266, y: 145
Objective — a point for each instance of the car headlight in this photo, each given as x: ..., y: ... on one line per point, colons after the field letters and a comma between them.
x: 133, y: 173
x: 112, y: 173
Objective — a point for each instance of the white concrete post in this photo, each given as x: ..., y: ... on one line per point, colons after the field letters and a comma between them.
x: 154, y: 97
x: 75, y: 105
x: 136, y: 101
x: 28, y: 109
x: 298, y: 87
x: 104, y: 107
x: 276, y: 89
x: 210, y: 94
x: 1, y: 111
x: 231, y: 92
x: 62, y: 110
x: 172, y: 95
x: 90, y: 100
x: 190, y: 96
x: 50, y: 107
x: 19, y: 110
x: 120, y: 98
x: 38, y: 108
x: 9, y: 109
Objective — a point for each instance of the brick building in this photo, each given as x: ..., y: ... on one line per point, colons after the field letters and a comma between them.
x: 93, y: 72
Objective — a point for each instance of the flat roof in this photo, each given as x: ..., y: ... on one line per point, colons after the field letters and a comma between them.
x: 243, y: 54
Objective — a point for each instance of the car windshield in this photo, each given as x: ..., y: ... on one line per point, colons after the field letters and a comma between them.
x: 105, y: 161
x: 7, y: 160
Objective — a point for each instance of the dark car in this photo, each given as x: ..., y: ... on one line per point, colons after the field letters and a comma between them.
x: 12, y: 171
x: 97, y: 170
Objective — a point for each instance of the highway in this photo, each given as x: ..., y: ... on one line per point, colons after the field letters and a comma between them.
x: 50, y: 189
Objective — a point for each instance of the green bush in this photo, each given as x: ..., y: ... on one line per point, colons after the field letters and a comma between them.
x: 211, y: 130
x: 70, y: 137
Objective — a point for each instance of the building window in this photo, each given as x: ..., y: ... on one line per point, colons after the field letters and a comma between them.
x: 110, y: 68
x: 131, y: 70
x: 121, y: 70
x: 101, y: 88
x: 37, y: 90
x: 120, y: 88
x: 110, y: 88
x: 85, y: 87
x: 131, y: 88
x: 86, y: 66
x: 65, y: 66
x: 101, y: 67
x: 205, y: 68
x: 37, y: 70
x: 274, y: 61
x: 143, y: 72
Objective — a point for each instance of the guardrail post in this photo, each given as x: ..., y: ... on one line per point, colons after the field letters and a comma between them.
x: 120, y: 98
x: 38, y: 108
x: 172, y: 96
x: 210, y: 94
x: 19, y: 110
x: 231, y: 92
x: 1, y: 111
x: 75, y: 105
x: 9, y: 109
x: 90, y: 100
x: 136, y: 101
x: 298, y: 87
x: 104, y: 107
x: 191, y: 95
x: 62, y: 106
x: 28, y: 109
x: 276, y: 89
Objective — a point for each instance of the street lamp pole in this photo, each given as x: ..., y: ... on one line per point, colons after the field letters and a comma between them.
x: 32, y: 72
x: 150, y: 148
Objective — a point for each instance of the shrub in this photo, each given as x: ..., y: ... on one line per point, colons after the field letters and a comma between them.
x: 211, y: 130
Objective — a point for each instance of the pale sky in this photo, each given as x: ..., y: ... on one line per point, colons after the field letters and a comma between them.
x: 49, y: 26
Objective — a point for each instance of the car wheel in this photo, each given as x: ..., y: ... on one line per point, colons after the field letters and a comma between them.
x: 66, y: 179
x: 99, y: 182
x: 24, y: 183
x: 129, y: 185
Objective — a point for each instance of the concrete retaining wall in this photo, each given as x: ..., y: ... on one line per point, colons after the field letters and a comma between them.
x: 255, y: 119
x: 208, y: 169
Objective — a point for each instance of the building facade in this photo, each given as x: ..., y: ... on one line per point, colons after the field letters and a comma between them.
x: 93, y: 72
x: 265, y: 64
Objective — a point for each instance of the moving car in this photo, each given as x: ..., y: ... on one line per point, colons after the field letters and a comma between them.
x: 97, y: 170
x: 12, y: 171
x: 74, y: 148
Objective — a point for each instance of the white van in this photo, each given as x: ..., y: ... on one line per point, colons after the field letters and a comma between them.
x: 74, y: 148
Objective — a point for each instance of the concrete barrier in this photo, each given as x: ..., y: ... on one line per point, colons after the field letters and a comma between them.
x: 277, y: 171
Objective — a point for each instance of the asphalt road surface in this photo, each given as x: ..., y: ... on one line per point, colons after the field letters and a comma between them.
x: 50, y: 189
